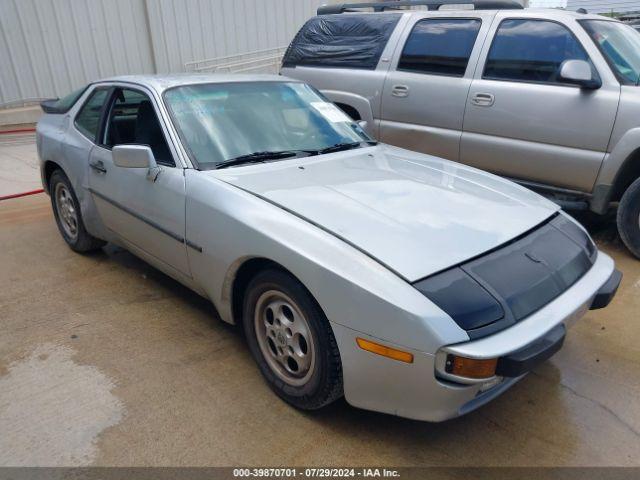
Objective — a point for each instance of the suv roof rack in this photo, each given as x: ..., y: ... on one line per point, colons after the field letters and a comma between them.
x: 430, y: 4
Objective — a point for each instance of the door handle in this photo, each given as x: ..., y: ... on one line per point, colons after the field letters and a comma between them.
x: 400, y: 91
x: 483, y: 99
x: 98, y: 166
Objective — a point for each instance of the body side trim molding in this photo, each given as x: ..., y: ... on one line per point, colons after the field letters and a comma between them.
x: 149, y: 222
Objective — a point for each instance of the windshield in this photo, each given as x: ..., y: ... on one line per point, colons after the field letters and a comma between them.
x: 620, y: 44
x: 219, y: 122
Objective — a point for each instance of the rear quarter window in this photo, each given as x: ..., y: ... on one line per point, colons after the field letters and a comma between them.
x: 341, y: 41
x: 87, y: 120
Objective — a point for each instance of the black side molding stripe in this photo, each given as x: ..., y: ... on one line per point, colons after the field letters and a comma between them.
x: 151, y: 223
x: 197, y: 248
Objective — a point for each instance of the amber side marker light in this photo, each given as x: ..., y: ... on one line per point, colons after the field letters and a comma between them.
x: 471, y: 367
x: 385, y: 351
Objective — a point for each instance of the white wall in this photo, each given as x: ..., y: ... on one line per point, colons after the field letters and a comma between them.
x: 50, y: 47
x: 605, y: 6
x: 187, y: 30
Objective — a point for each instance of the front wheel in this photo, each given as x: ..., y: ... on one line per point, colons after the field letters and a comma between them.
x: 629, y: 218
x: 66, y: 210
x: 291, y: 341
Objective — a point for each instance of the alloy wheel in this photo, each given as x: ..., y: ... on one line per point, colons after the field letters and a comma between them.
x: 284, y: 337
x: 67, y: 212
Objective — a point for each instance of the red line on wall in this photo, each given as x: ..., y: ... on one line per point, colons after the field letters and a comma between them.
x: 18, y: 130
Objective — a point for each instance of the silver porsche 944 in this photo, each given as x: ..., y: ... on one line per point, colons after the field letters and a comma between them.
x: 409, y: 284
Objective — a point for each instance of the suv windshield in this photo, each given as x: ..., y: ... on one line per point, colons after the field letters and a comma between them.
x: 228, y: 123
x: 620, y: 44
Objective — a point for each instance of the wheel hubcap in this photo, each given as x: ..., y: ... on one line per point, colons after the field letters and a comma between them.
x: 66, y: 209
x: 284, y: 337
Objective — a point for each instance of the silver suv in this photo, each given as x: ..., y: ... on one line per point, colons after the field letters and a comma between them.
x: 549, y: 98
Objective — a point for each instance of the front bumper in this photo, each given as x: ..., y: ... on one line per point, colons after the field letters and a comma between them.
x: 413, y: 390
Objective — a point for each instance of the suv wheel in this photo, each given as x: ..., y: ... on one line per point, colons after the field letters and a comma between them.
x: 291, y: 341
x: 629, y: 218
x: 66, y: 210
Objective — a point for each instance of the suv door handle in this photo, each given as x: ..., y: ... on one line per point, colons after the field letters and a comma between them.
x: 483, y: 99
x: 98, y: 166
x: 400, y: 91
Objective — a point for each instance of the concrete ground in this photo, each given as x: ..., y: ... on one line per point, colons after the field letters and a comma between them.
x: 18, y: 162
x: 106, y: 361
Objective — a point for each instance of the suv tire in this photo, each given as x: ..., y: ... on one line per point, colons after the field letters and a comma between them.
x: 291, y: 341
x: 66, y: 210
x: 629, y: 218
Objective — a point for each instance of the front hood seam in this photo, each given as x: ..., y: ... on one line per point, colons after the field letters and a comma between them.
x: 320, y: 227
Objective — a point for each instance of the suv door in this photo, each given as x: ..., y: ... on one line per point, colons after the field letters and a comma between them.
x: 146, y: 209
x: 522, y: 121
x: 426, y: 89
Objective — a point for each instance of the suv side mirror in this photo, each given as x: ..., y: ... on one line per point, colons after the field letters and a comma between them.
x: 579, y: 72
x: 133, y: 156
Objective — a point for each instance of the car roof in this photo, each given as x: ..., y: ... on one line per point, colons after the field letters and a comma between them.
x: 551, y: 13
x: 161, y: 83
x: 561, y: 13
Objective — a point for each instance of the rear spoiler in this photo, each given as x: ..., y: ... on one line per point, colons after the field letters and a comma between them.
x: 49, y: 106
x: 59, y: 106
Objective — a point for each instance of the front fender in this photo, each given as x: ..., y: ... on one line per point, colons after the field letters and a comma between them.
x: 360, y: 103
x: 232, y: 225
x: 614, y: 161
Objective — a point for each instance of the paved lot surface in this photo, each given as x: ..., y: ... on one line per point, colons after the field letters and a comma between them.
x: 18, y: 163
x: 106, y: 361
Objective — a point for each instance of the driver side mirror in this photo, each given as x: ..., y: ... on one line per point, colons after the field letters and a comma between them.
x: 579, y: 72
x: 133, y: 156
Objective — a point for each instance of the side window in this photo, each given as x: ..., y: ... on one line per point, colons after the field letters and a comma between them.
x: 88, y: 118
x: 531, y: 51
x: 133, y: 120
x: 440, y: 46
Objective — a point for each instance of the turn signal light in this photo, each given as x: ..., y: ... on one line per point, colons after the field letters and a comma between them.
x: 471, y: 367
x: 385, y: 351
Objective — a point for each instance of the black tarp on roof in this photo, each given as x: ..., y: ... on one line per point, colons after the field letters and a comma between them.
x: 344, y: 41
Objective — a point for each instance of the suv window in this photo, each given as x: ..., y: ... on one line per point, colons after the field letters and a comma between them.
x: 133, y: 120
x: 531, y: 51
x: 620, y: 45
x: 88, y: 118
x: 440, y: 46
x: 341, y: 41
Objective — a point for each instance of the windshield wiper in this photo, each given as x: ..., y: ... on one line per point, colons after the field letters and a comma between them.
x: 339, y: 147
x: 256, y: 157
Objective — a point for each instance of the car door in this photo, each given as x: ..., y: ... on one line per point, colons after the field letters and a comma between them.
x: 521, y: 121
x: 145, y: 208
x: 426, y: 89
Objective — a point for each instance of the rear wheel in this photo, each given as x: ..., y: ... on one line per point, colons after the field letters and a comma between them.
x: 291, y: 341
x: 629, y: 218
x: 66, y: 210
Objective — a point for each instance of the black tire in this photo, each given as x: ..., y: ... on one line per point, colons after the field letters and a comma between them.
x: 81, y: 241
x: 629, y: 218
x: 324, y: 384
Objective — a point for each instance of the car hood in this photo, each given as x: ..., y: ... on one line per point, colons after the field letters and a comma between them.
x: 415, y: 214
